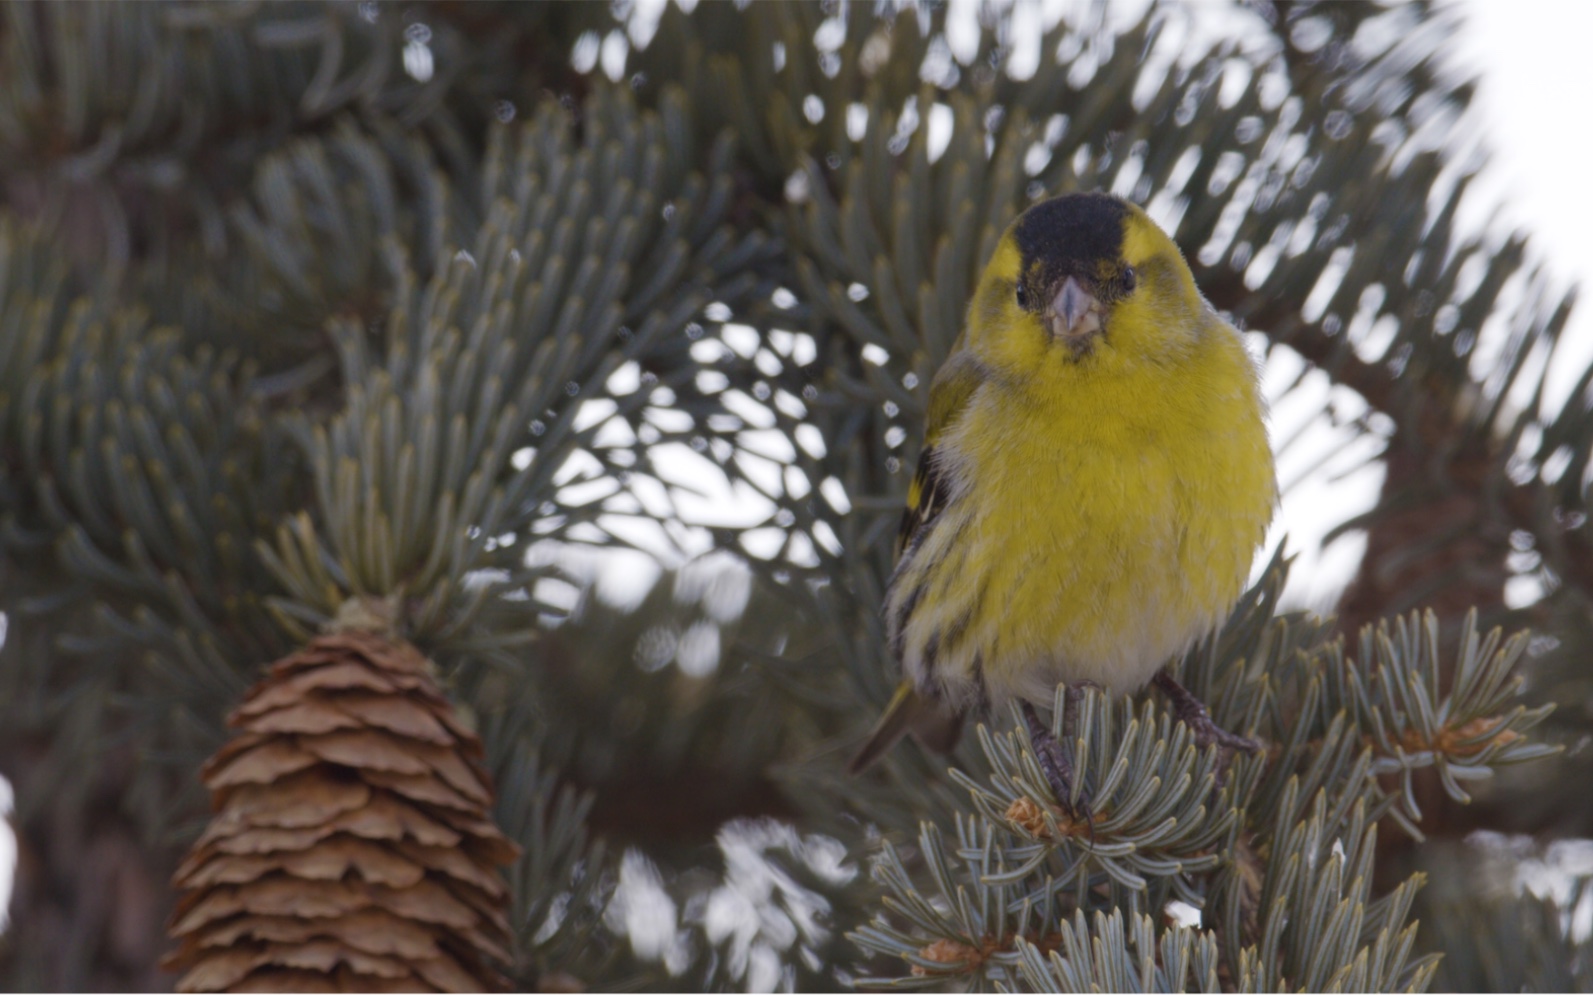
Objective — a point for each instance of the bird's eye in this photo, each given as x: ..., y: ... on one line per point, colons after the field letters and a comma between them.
x: 1023, y: 297
x: 1130, y: 279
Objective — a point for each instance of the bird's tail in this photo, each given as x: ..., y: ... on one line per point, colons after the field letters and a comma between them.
x: 935, y: 726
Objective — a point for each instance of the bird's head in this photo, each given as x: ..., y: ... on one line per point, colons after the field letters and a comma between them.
x: 1081, y: 276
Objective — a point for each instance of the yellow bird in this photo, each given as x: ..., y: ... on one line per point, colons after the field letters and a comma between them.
x: 1094, y: 483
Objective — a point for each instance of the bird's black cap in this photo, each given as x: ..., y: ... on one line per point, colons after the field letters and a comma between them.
x: 1078, y: 235
x: 1074, y: 233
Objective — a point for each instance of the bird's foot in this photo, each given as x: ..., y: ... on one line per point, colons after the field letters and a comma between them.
x: 1055, y: 765
x: 1070, y: 704
x: 1194, y: 715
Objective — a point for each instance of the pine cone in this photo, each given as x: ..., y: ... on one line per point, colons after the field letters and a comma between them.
x: 352, y: 847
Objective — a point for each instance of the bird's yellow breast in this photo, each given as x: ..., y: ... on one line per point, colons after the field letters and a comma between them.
x: 1098, y: 522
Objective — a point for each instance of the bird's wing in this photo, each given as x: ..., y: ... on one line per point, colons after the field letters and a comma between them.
x: 949, y: 394
x: 933, y: 723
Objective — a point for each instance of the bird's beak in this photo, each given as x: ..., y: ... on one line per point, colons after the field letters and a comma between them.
x: 1074, y: 313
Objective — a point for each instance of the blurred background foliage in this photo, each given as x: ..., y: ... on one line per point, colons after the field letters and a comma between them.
x: 653, y: 296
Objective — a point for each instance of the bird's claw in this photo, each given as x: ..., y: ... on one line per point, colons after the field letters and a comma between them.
x: 1056, y: 767
x: 1208, y: 732
x: 1194, y: 715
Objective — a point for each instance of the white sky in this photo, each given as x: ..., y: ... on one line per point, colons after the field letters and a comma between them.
x: 1531, y: 57
x: 8, y: 850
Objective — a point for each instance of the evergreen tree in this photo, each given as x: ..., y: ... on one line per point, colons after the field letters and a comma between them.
x: 339, y: 342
